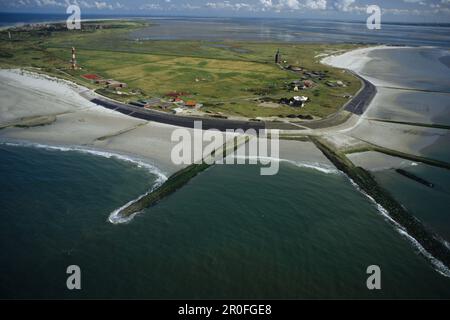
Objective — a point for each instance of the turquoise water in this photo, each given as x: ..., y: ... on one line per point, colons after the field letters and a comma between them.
x: 230, y: 233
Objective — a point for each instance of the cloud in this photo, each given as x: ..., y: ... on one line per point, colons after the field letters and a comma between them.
x: 98, y: 5
x: 332, y: 5
x: 291, y: 5
x: 330, y: 8
x: 342, y: 5
x: 316, y: 4
x: 48, y: 3
x: 150, y: 6
x: 229, y: 5
x: 102, y: 5
x: 51, y: 3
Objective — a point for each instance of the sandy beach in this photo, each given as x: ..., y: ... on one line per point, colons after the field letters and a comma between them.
x: 90, y: 175
x: 353, y: 60
x: 80, y: 123
x: 403, y: 114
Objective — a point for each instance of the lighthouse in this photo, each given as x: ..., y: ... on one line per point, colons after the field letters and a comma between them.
x: 278, y: 57
x: 74, y: 60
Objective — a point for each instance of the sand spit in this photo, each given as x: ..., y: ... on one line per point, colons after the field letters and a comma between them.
x: 354, y: 60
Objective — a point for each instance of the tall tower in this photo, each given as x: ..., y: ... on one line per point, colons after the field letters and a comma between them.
x: 278, y: 56
x: 74, y: 60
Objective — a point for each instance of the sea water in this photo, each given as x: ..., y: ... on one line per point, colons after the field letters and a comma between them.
x: 265, y: 29
x: 229, y: 233
x: 293, y: 30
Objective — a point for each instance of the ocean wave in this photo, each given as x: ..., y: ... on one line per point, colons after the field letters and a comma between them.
x: 309, y: 165
x: 105, y: 154
x: 437, y: 264
x: 114, y: 218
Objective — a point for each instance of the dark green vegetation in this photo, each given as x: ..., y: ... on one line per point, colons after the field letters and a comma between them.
x: 227, y: 77
x: 429, y: 241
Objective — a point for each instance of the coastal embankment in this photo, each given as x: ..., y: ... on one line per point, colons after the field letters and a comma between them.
x: 176, y: 181
x: 397, y: 133
x: 434, y: 246
x: 78, y: 121
x: 80, y: 125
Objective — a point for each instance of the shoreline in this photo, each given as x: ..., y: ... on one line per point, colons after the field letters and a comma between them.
x: 21, y: 24
x: 429, y: 244
x: 96, y: 127
x: 83, y: 94
x: 79, y: 123
x: 339, y: 117
x: 134, y: 159
x: 325, y: 115
x: 124, y: 125
x: 345, y: 124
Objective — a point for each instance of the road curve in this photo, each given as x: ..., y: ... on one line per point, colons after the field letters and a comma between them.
x: 357, y: 105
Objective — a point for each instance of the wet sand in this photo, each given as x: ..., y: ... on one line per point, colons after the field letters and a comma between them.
x: 410, y: 107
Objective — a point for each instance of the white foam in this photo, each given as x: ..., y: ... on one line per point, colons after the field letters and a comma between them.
x: 113, y: 217
x: 310, y: 165
x: 437, y: 264
x: 116, y: 218
x: 105, y: 154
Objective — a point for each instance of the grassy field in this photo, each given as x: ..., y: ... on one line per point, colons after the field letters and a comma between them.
x: 228, y: 77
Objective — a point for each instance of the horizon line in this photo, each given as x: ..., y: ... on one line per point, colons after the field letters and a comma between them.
x: 134, y: 15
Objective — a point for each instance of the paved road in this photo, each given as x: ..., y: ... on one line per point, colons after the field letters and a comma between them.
x: 361, y: 101
x: 182, y: 121
x: 357, y: 106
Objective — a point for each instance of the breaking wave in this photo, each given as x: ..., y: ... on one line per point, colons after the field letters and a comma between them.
x: 113, y: 217
x: 116, y: 218
x: 313, y: 165
x: 437, y: 264
x: 105, y: 154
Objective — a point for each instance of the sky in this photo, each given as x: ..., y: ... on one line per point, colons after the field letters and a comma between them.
x: 392, y: 10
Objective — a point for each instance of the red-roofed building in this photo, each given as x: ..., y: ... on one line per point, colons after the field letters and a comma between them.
x: 190, y: 103
x: 91, y: 76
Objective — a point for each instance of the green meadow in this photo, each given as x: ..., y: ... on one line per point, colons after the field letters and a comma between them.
x: 229, y: 77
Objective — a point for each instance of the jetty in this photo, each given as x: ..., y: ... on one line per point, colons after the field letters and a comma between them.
x: 179, y: 179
